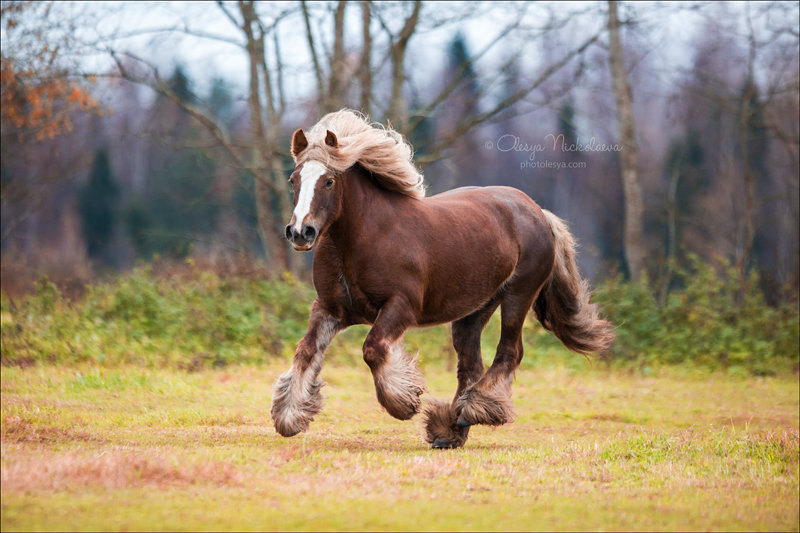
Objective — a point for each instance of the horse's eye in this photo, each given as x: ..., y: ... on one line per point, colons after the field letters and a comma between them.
x: 329, y: 183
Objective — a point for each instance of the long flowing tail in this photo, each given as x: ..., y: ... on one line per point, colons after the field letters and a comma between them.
x: 563, y: 305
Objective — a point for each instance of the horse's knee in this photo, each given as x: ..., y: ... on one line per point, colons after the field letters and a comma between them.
x: 520, y: 353
x: 374, y: 353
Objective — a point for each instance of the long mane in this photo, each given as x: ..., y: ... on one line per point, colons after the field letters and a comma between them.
x: 380, y: 150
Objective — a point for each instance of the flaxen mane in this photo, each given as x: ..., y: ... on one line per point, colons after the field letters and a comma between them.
x: 380, y: 150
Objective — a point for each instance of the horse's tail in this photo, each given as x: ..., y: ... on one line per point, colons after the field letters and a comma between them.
x: 563, y: 305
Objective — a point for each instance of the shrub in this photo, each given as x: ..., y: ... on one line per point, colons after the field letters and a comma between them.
x: 715, y: 321
x: 199, y: 318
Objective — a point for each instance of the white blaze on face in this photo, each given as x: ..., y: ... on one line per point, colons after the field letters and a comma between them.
x: 309, y: 175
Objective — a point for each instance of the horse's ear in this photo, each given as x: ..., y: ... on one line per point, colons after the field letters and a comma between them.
x: 299, y: 143
x: 331, y: 140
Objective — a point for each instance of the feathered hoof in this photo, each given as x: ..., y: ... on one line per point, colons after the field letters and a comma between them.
x: 289, y: 427
x: 294, y: 405
x: 441, y: 430
x: 478, y: 407
x: 399, y: 385
x: 401, y: 404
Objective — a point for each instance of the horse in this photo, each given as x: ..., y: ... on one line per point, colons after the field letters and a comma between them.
x: 390, y: 257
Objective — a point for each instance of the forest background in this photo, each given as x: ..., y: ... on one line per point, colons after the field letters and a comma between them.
x: 146, y: 144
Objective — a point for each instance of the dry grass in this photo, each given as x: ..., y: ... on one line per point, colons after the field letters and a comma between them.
x: 113, y: 469
x: 165, y: 450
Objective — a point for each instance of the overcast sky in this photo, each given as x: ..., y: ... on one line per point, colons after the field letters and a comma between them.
x: 668, y: 29
x: 205, y: 58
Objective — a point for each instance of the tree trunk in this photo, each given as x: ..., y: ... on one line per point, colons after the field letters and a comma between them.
x: 338, y: 81
x: 672, y: 231
x: 749, y: 185
x: 745, y: 118
x: 313, y: 52
x: 634, y: 209
x: 268, y: 226
x: 365, y: 67
x: 397, y: 107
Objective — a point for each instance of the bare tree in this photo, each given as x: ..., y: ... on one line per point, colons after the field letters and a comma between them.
x: 331, y: 78
x: 383, y: 44
x: 398, y: 47
x: 634, y: 207
x: 365, y: 67
x: 43, y: 90
x: 267, y: 105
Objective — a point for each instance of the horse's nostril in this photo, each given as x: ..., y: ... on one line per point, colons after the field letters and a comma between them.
x: 289, y: 232
x: 309, y: 233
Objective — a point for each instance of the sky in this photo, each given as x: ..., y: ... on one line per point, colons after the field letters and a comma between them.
x: 667, y: 28
x: 204, y: 58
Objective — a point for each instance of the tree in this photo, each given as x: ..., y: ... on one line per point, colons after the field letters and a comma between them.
x: 634, y: 207
x: 98, y: 208
x: 387, y: 30
x: 178, y: 204
x: 465, y: 165
x: 42, y: 91
x: 739, y: 100
x: 683, y: 168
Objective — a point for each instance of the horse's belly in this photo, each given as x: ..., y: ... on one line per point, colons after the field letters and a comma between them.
x: 464, y: 284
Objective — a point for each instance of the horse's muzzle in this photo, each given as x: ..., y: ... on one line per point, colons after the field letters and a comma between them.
x: 301, y: 240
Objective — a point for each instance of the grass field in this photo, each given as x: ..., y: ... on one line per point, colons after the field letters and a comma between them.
x: 128, y: 448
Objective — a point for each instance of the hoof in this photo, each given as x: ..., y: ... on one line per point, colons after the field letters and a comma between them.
x: 295, y: 402
x: 478, y: 407
x: 441, y: 430
x: 399, y: 385
x: 462, y: 423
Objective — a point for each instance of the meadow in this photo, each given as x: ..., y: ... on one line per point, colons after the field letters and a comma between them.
x: 153, y: 449
x: 143, y: 404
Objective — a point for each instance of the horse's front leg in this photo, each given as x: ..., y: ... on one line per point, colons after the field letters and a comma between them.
x: 398, y: 382
x: 297, y: 398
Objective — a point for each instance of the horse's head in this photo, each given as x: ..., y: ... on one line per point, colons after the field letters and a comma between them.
x: 317, y: 195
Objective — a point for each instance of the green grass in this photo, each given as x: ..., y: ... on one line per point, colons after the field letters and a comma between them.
x: 152, y: 448
x: 189, y: 318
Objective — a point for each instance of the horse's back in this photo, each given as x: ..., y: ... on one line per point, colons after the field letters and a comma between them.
x: 483, y: 236
x: 512, y: 206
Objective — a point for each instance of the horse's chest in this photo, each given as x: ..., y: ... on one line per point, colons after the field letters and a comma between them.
x: 351, y: 301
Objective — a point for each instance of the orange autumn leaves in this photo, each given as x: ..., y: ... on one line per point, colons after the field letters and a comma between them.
x: 38, y: 103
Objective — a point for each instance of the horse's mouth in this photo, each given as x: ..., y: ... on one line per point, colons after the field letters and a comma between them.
x: 304, y: 248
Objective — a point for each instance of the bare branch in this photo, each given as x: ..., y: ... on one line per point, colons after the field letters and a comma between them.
x: 398, y: 51
x: 162, y: 88
x: 173, y: 29
x: 228, y: 14
x: 312, y: 50
x: 458, y: 78
x: 438, y: 150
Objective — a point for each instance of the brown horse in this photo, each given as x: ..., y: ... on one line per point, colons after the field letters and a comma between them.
x: 389, y: 257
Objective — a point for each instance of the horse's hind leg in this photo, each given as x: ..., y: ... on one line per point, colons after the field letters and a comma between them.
x: 488, y: 401
x: 441, y: 429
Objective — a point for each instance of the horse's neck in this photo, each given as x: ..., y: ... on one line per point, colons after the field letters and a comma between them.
x: 364, y: 205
